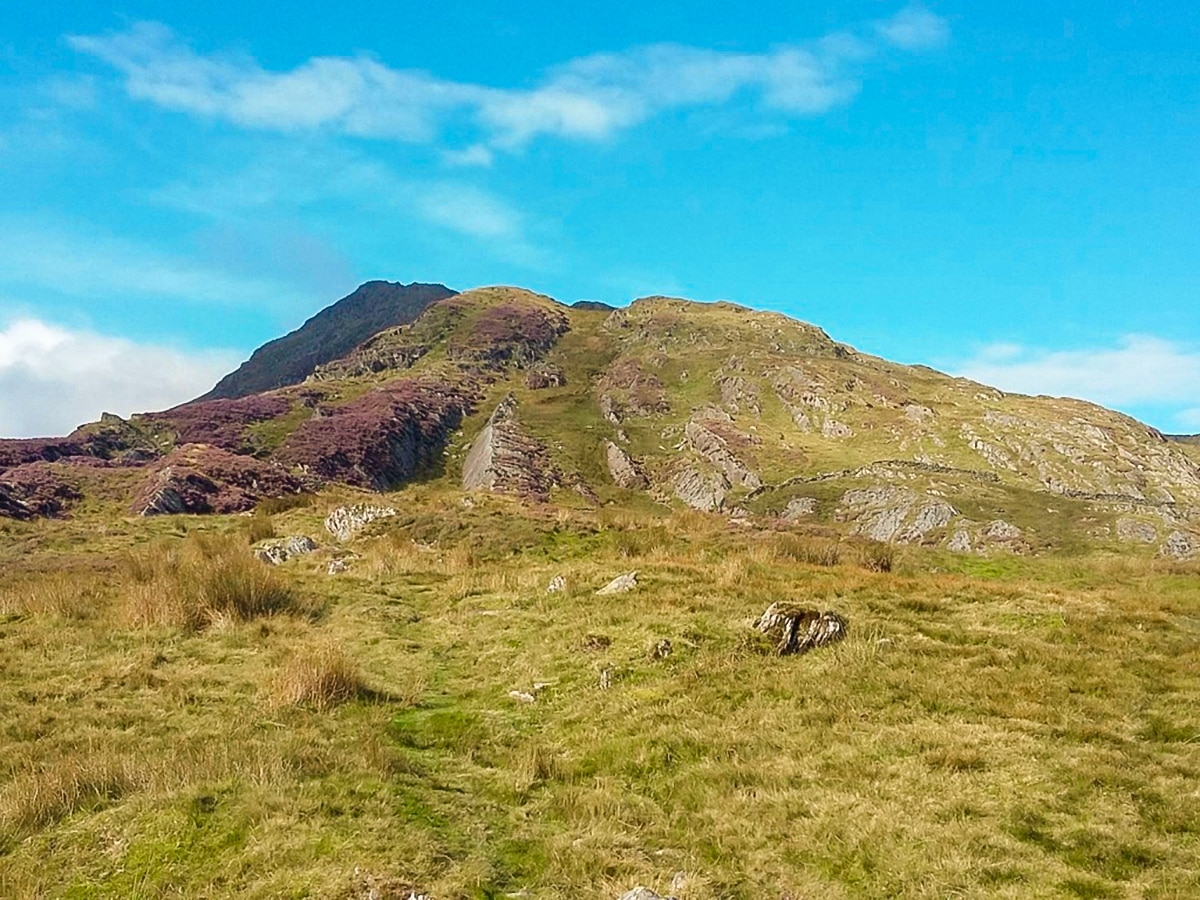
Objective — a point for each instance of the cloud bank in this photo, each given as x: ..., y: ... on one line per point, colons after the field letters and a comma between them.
x: 1141, y: 370
x: 590, y: 98
x: 53, y: 379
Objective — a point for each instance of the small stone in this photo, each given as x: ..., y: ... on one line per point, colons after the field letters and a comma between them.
x: 620, y: 585
x: 643, y: 893
x: 557, y: 585
x: 605, y: 679
x: 522, y: 696
x: 337, y: 566
x: 662, y: 649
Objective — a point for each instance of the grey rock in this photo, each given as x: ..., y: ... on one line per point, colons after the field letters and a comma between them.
x: 796, y: 629
x: 798, y: 507
x: 620, y: 585
x: 896, y: 515
x: 557, y: 585
x: 625, y: 472
x: 999, y: 530
x: 346, y: 521
x: 504, y: 459
x: 960, y: 542
x: 1178, y: 545
x: 279, y: 550
x: 662, y: 649
x: 712, y: 447
x: 835, y: 429
x: 337, y: 566
x: 699, y: 492
x: 643, y: 893
x: 1137, y: 531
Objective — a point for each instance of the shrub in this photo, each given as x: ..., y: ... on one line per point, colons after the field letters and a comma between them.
x: 203, y: 580
x: 810, y: 551
x: 320, y: 677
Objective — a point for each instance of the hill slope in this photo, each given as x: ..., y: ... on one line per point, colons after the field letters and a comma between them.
x: 331, y: 333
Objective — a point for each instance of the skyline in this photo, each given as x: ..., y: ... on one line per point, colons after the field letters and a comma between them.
x: 1007, y: 195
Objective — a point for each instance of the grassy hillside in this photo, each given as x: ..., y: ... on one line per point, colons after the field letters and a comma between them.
x: 180, y: 719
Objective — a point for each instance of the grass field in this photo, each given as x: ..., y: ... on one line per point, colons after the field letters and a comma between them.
x: 181, y: 720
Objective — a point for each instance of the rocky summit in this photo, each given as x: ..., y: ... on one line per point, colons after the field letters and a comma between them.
x: 715, y: 406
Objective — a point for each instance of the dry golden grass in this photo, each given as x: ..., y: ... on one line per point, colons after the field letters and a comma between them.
x: 1016, y: 728
x: 202, y: 581
x: 320, y: 677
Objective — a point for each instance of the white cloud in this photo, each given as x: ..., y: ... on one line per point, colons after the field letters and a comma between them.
x: 589, y: 98
x: 53, y: 379
x: 1139, y: 370
x: 914, y: 28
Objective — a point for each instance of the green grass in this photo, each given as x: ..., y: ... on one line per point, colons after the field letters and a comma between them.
x: 1015, y: 727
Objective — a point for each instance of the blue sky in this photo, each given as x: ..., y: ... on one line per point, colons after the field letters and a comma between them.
x: 1008, y: 191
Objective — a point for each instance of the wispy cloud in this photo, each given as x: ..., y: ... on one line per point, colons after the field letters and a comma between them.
x: 53, y: 378
x: 1140, y: 370
x: 85, y: 265
x: 589, y: 98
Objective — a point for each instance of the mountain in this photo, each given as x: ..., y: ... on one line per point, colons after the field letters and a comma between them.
x: 714, y: 406
x: 331, y: 333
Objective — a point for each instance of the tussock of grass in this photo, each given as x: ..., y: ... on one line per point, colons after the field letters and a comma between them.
x: 260, y: 527
x: 319, y: 677
x: 61, y: 595
x: 202, y: 581
x: 62, y: 788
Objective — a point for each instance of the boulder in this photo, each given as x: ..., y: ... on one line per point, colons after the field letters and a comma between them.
x: 620, y: 585
x: 796, y: 629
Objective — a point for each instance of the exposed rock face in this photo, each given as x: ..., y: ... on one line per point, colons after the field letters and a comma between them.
x: 620, y: 585
x: 36, y: 490
x: 960, y: 542
x: 330, y: 334
x: 545, y: 376
x: 713, y: 447
x: 202, y: 479
x: 1178, y: 545
x: 504, y: 459
x: 381, y: 439
x: 346, y: 521
x: 700, y: 492
x: 798, y: 508
x: 1136, y: 531
x: 279, y: 550
x: 625, y: 472
x: 738, y: 394
x: 798, y: 630
x: 896, y: 515
x: 999, y: 530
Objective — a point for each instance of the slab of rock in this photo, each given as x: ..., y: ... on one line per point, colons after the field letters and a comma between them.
x: 620, y: 585
x: 796, y: 629
x: 504, y: 459
x: 346, y: 521
x: 999, y: 530
x: 699, y: 492
x: 280, y: 550
x: 625, y: 472
x: 710, y: 445
x: 895, y: 515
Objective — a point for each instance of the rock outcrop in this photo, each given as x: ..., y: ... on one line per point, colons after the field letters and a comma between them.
x: 382, y: 438
x: 505, y: 459
x: 713, y: 447
x: 346, y: 521
x: 202, y: 479
x: 624, y: 470
x: 895, y: 515
x: 620, y: 585
x: 277, y: 551
x: 37, y: 490
x: 703, y: 492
